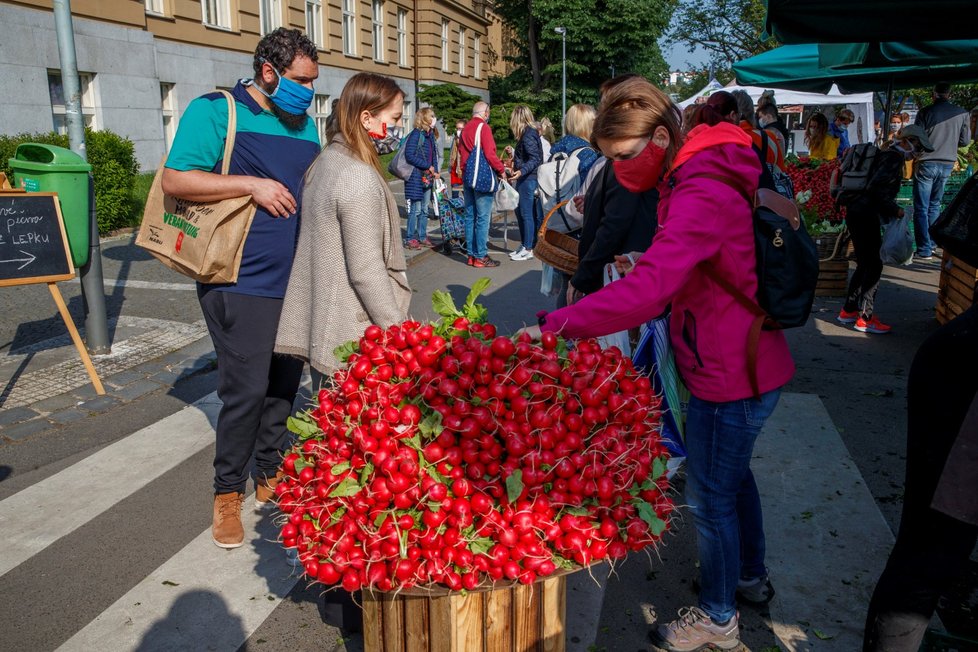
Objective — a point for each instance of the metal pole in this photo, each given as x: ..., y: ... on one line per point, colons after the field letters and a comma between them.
x: 93, y: 289
x: 563, y: 93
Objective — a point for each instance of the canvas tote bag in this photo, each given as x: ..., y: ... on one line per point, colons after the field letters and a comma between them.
x: 202, y: 240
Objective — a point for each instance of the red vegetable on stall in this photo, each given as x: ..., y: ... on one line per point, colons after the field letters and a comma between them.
x: 445, y: 454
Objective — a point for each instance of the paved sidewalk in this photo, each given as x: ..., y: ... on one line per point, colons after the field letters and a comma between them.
x: 827, y: 537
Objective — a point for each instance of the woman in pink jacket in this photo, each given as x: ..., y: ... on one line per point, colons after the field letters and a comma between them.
x: 701, y: 221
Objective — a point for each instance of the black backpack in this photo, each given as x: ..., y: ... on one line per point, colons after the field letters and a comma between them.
x: 854, y: 172
x: 787, y: 268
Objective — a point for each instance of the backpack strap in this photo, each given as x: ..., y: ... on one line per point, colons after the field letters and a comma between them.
x: 761, y: 318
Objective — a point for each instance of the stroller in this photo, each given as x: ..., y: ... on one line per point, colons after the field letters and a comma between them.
x: 450, y: 213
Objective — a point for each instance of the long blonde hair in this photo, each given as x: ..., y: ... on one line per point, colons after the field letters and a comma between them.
x: 579, y: 121
x: 634, y: 108
x: 520, y: 119
x: 364, y: 91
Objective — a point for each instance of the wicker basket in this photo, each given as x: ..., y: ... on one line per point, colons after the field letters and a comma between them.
x: 559, y: 250
x: 831, y: 245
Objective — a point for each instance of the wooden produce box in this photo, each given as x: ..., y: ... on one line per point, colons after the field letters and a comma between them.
x: 956, y: 289
x: 512, y: 618
x: 833, y: 278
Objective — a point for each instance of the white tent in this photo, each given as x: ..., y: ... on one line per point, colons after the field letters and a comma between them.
x: 861, y: 104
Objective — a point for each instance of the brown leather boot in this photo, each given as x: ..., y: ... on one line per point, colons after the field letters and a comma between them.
x: 265, y: 491
x: 227, y: 529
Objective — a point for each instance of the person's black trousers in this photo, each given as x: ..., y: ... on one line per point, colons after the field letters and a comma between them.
x: 864, y: 228
x: 931, y: 548
x: 256, y: 385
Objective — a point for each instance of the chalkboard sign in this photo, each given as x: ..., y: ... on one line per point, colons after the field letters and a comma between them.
x: 33, y: 245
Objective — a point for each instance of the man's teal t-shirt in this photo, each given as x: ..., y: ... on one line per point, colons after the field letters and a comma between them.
x: 263, y: 147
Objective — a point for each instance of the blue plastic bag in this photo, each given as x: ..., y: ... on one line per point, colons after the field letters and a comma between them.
x: 653, y: 355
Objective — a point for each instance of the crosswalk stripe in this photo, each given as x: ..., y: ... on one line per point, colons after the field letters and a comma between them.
x: 36, y: 517
x: 202, y: 596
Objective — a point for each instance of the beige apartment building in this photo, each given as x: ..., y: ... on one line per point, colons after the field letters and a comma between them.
x: 142, y: 61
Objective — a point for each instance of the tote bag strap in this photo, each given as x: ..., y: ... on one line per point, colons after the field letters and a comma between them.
x: 477, y: 151
x: 232, y: 132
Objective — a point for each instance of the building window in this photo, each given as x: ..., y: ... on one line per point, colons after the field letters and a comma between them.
x: 406, y: 118
x: 461, y: 51
x: 477, y: 57
x: 155, y: 7
x: 446, y: 53
x: 322, y: 110
x: 216, y: 13
x: 56, y: 89
x: 168, y: 103
x: 402, y: 38
x: 270, y: 15
x: 378, y: 14
x: 350, y: 27
x: 314, y: 22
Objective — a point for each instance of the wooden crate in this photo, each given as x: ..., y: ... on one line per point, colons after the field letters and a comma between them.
x: 517, y: 618
x: 833, y: 278
x: 956, y: 288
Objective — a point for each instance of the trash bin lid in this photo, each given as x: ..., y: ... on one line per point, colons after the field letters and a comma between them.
x: 39, y: 157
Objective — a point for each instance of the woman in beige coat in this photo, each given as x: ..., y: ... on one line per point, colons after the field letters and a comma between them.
x: 349, y: 269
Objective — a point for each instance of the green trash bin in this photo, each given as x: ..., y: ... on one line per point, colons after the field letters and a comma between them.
x: 48, y: 168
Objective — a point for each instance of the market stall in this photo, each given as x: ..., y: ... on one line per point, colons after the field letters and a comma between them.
x: 861, y: 104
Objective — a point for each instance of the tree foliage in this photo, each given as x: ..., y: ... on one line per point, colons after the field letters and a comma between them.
x: 729, y: 30
x: 449, y: 101
x: 603, y: 36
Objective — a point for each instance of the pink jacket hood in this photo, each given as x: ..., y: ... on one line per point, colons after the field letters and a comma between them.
x: 700, y: 219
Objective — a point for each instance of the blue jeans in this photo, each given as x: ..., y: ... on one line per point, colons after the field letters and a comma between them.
x: 418, y: 217
x: 526, y: 215
x: 928, y: 190
x: 478, y: 210
x: 721, y: 491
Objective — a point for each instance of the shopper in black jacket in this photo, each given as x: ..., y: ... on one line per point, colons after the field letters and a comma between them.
x: 616, y: 222
x: 864, y: 213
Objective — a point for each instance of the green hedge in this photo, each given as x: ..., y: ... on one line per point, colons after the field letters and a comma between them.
x: 114, y: 168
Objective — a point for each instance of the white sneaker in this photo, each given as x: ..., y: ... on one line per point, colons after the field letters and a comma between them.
x: 526, y: 255
x: 515, y: 255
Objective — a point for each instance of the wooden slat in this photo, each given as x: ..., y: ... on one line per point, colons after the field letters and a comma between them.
x: 965, y: 267
x: 373, y: 623
x: 76, y: 338
x: 957, y: 272
x: 554, y: 614
x: 417, y: 625
x: 441, y: 621
x: 469, y: 630
x: 526, y: 617
x: 963, y: 288
x: 499, y: 624
x: 956, y: 298
x: 394, y: 625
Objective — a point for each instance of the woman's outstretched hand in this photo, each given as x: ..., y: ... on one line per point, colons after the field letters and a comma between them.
x: 626, y: 262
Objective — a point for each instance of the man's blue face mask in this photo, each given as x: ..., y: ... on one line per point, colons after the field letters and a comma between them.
x: 289, y: 96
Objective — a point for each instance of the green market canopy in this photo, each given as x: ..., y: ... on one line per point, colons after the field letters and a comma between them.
x: 834, y: 21
x: 796, y: 67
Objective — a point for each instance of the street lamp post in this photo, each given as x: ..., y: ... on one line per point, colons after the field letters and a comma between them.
x: 563, y: 64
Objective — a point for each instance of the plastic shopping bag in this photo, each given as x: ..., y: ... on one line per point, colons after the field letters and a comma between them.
x: 654, y: 356
x: 897, y: 246
x: 619, y: 339
x: 507, y: 197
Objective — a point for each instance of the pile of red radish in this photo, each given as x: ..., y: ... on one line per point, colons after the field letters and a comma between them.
x: 446, y: 454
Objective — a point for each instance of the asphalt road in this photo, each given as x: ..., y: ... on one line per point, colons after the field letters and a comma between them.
x: 861, y: 380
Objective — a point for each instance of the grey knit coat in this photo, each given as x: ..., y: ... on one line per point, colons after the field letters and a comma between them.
x: 349, y: 268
